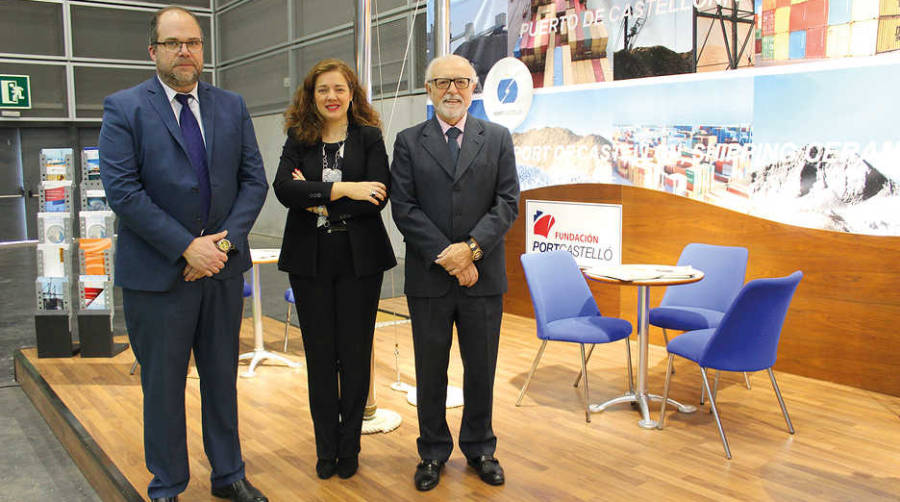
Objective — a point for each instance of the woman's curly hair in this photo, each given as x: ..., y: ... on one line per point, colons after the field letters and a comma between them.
x: 303, y: 116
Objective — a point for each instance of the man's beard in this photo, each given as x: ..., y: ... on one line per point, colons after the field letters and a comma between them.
x: 452, y: 115
x: 173, y: 80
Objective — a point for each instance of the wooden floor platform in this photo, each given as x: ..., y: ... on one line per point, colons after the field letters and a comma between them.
x: 845, y: 447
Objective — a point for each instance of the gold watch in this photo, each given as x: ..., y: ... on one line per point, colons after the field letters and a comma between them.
x: 477, y: 253
x: 226, y: 247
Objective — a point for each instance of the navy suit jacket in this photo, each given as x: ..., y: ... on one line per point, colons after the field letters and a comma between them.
x: 152, y: 187
x: 435, y: 205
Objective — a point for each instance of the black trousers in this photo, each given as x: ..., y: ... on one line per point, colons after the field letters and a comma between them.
x: 203, y: 316
x: 477, y: 320
x: 337, y: 318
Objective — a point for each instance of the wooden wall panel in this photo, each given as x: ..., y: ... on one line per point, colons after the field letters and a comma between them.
x: 517, y: 300
x: 841, y: 324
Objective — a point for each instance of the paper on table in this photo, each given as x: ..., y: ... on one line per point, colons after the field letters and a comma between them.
x: 682, y: 272
x: 629, y: 273
x: 625, y: 273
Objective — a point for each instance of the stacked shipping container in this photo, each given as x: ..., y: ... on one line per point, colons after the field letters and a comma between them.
x: 705, y: 162
x: 564, y: 44
x: 807, y: 29
x: 888, y: 26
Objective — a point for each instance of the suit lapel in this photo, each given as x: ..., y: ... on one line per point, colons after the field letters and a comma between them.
x: 473, y: 139
x: 354, y: 164
x: 434, y: 143
x: 207, y: 113
x: 312, y: 161
x: 157, y: 98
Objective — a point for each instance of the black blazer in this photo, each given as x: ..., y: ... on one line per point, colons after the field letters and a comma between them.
x: 435, y: 205
x: 365, y: 159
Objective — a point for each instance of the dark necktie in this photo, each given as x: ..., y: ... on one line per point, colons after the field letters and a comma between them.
x: 193, y: 140
x: 452, y: 134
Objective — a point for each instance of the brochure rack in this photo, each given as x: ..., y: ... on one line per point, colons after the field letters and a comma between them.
x: 96, y: 304
x: 53, y: 291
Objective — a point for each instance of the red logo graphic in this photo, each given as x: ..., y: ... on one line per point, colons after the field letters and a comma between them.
x: 543, y: 223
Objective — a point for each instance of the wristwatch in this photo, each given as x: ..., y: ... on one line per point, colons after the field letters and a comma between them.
x: 226, y: 247
x: 477, y: 253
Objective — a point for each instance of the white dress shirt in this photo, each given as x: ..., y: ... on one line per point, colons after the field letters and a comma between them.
x: 176, y: 106
x: 461, y: 125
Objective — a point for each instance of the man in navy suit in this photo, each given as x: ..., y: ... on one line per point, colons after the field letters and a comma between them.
x: 454, y: 194
x: 182, y: 170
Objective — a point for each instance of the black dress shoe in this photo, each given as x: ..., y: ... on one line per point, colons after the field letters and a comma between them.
x: 240, y: 491
x: 488, y: 469
x: 347, y: 466
x: 325, y: 468
x: 165, y: 499
x: 428, y: 473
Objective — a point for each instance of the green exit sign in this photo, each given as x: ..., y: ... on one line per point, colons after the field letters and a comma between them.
x: 15, y: 92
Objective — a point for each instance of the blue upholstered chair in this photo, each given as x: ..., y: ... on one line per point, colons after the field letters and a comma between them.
x: 289, y: 298
x: 565, y: 311
x: 745, y: 340
x: 702, y: 304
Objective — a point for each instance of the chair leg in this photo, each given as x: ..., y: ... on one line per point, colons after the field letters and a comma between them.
x: 578, y: 378
x: 781, y: 402
x: 747, y: 379
x: 630, y: 372
x: 715, y: 389
x: 666, y: 338
x: 712, y: 404
x: 534, y: 366
x: 665, y: 399
x: 133, y: 367
x: 587, y: 391
x: 627, y: 354
x: 287, y: 323
x: 702, y: 394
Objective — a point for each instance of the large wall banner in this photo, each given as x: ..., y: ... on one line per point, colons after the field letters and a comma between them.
x: 591, y: 232
x: 783, y: 109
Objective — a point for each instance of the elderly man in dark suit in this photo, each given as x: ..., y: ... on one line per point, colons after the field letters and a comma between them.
x: 454, y: 195
x: 182, y: 170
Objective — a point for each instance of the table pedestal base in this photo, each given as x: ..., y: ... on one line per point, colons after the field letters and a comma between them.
x: 640, y: 397
x: 258, y: 356
x: 641, y: 401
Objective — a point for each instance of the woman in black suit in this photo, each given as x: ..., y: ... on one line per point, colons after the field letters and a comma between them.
x: 333, y: 178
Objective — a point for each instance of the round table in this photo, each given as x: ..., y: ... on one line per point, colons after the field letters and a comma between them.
x: 259, y: 352
x: 643, y: 277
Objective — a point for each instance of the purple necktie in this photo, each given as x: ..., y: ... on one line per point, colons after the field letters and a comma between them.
x: 193, y: 140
